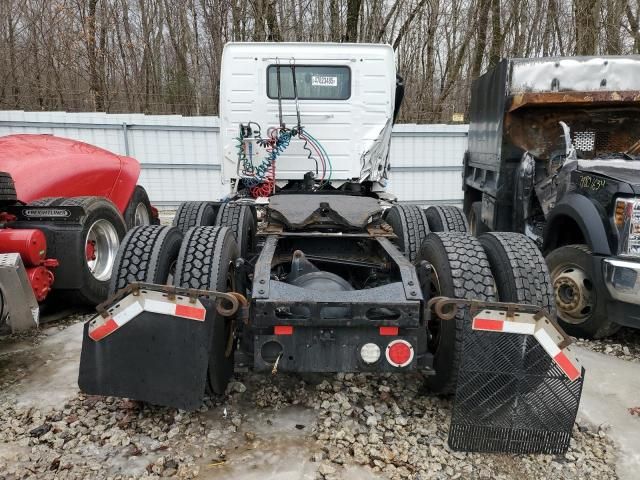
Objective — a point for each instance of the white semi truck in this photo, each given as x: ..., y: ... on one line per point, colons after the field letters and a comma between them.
x: 308, y: 265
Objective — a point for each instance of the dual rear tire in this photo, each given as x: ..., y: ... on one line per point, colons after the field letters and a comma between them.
x: 203, y: 259
x: 195, y: 214
x: 504, y: 267
x: 240, y: 218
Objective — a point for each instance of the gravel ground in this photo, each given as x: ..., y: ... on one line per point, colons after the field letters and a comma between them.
x: 625, y: 344
x: 347, y: 426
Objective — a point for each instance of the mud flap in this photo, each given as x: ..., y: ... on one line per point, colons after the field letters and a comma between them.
x: 519, y: 386
x: 159, y: 358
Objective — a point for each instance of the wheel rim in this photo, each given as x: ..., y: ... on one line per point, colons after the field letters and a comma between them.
x: 141, y: 216
x: 101, y: 247
x: 574, y: 294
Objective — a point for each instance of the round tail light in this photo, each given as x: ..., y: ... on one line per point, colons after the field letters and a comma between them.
x: 399, y: 353
x: 370, y: 353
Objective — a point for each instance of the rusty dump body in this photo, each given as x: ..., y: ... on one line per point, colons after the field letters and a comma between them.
x: 517, y: 107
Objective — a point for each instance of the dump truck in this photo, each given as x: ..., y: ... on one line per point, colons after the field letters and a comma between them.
x: 64, y: 208
x: 309, y: 266
x: 553, y: 153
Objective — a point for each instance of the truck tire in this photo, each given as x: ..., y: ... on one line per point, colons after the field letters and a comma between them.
x: 138, y: 211
x: 147, y: 254
x: 242, y: 222
x: 48, y: 202
x: 206, y: 261
x: 519, y: 270
x: 581, y: 312
x: 7, y: 188
x: 461, y: 270
x: 102, y: 227
x: 410, y: 225
x: 476, y: 225
x: 194, y: 214
x: 446, y: 218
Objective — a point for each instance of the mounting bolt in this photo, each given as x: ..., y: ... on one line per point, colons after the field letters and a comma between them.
x: 262, y: 281
x: 261, y: 291
x: 413, y: 294
x: 410, y: 283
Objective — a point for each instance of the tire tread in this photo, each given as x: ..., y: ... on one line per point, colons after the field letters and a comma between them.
x: 472, y: 279
x: 138, y: 256
x: 415, y: 228
x: 190, y: 214
x: 519, y: 257
x: 450, y: 218
x: 7, y: 187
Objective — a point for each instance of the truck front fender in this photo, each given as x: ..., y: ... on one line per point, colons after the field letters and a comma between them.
x: 585, y: 215
x: 49, y: 166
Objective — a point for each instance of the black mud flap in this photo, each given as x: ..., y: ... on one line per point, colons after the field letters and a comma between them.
x: 512, y: 396
x: 156, y: 358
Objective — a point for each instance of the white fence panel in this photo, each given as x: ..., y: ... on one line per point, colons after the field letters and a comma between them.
x: 426, y: 163
x: 179, y: 155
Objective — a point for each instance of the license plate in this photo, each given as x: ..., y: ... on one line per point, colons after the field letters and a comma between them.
x: 324, y: 81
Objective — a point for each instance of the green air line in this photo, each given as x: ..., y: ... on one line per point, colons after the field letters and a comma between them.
x: 314, y: 140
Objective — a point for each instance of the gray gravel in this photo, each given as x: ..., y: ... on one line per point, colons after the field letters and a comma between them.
x: 625, y: 344
x: 381, y: 425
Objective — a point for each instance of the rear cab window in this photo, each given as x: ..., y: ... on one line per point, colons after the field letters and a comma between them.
x: 313, y: 82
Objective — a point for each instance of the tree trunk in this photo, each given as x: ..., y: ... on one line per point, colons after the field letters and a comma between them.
x: 495, y: 51
x: 587, y: 13
x: 481, y: 40
x: 334, y: 15
x: 272, y: 21
x: 92, y: 53
x: 353, y: 16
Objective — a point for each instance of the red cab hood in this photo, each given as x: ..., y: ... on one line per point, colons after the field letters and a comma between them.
x: 48, y: 166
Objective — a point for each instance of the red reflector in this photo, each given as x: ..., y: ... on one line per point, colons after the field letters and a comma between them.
x: 567, y: 367
x: 389, y: 331
x: 283, y: 330
x: 190, y: 312
x: 487, y: 324
x: 103, y: 330
x: 399, y: 353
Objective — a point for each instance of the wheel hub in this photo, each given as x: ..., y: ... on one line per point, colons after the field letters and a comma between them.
x: 573, y: 295
x: 90, y: 250
x: 101, y: 247
x: 141, y: 216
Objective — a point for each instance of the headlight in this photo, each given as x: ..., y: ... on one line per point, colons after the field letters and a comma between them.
x: 627, y: 220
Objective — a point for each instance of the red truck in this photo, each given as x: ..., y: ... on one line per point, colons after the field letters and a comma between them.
x: 64, y: 208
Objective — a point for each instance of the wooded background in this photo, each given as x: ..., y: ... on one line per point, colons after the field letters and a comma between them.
x: 163, y: 56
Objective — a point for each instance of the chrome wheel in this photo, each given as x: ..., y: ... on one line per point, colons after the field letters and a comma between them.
x: 574, y: 293
x: 141, y: 216
x: 101, y: 247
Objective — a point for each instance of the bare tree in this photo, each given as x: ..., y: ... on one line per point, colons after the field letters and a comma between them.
x: 163, y: 56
